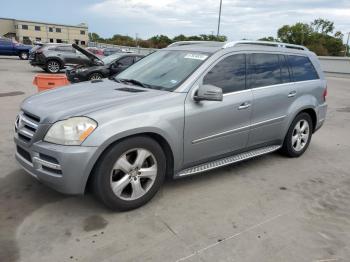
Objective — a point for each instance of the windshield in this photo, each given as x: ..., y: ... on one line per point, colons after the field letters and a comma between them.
x: 163, y: 69
x: 109, y: 59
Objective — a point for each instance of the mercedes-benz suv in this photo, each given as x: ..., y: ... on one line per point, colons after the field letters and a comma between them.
x: 180, y: 111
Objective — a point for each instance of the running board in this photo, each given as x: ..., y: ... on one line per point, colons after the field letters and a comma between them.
x: 227, y: 160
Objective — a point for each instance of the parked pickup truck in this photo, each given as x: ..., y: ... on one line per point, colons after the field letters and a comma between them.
x: 13, y: 48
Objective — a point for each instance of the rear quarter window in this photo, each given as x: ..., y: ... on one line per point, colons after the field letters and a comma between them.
x: 302, y: 68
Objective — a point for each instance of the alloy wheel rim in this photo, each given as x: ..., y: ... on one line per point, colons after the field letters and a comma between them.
x: 95, y: 77
x: 53, y: 66
x: 300, y: 135
x: 24, y: 55
x: 133, y: 174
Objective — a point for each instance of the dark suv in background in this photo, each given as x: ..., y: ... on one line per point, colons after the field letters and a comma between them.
x: 112, y: 65
x: 54, y: 57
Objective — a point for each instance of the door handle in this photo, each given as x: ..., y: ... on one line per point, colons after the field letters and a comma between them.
x: 245, y: 105
x: 292, y: 93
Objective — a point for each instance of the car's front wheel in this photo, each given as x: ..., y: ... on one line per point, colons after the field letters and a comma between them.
x: 53, y: 66
x: 130, y: 173
x: 23, y: 55
x: 95, y: 76
x: 299, y: 136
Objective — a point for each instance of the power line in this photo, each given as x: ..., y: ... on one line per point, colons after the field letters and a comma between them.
x: 218, y: 32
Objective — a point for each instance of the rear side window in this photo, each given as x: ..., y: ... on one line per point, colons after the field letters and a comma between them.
x: 302, y: 68
x: 264, y: 70
x: 228, y: 74
x: 65, y: 49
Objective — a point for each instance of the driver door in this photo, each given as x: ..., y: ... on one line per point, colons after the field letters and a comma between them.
x: 212, y: 128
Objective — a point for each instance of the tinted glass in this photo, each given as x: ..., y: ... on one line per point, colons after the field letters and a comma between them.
x: 229, y: 74
x: 285, y: 76
x: 302, y: 68
x: 109, y: 59
x: 126, y: 61
x: 65, y: 49
x: 264, y: 70
x: 164, y: 70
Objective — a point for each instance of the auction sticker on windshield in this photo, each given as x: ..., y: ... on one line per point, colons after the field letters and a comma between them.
x: 196, y: 56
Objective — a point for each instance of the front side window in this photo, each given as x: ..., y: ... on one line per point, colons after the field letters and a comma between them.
x: 228, y: 74
x: 264, y: 70
x: 164, y: 69
x: 302, y: 68
x: 126, y: 61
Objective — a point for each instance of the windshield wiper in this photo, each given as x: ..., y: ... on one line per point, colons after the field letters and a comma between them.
x: 132, y: 81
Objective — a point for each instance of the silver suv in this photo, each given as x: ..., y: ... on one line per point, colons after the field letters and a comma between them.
x: 180, y: 111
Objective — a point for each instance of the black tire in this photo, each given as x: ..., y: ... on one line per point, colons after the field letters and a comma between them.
x: 288, y: 148
x: 53, y: 66
x: 95, y: 76
x: 24, y: 55
x: 101, y: 180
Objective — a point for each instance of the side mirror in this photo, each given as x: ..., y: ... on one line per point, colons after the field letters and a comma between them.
x: 208, y: 93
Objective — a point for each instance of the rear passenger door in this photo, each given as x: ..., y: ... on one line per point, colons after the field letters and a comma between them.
x: 270, y: 82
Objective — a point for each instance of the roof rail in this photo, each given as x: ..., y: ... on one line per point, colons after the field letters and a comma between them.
x: 180, y: 43
x: 265, y: 43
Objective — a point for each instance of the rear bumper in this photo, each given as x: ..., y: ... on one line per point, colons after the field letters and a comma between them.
x: 63, y: 168
x: 321, y: 116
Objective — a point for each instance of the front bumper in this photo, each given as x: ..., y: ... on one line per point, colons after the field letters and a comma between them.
x: 72, y: 76
x: 63, y: 168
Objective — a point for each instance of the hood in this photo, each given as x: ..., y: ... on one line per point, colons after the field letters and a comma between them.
x: 90, y: 55
x: 84, y: 98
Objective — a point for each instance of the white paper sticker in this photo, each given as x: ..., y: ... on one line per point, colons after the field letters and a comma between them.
x: 196, y: 56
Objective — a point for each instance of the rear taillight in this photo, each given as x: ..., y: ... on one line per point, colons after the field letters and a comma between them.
x: 325, y: 92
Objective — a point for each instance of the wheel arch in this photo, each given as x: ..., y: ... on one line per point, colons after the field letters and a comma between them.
x: 165, y: 145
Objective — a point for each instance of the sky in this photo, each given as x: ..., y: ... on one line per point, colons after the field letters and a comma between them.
x: 240, y: 18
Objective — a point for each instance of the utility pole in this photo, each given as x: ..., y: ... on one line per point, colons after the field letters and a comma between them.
x: 347, y: 45
x: 218, y: 32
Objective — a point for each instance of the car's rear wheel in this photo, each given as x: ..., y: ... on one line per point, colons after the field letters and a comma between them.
x: 299, y: 136
x: 95, y: 76
x: 23, y: 55
x: 53, y: 66
x: 130, y: 173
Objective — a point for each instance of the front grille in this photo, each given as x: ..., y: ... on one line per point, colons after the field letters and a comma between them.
x: 26, y: 125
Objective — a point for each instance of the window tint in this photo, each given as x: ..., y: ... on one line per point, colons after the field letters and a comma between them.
x: 285, y: 75
x: 264, y: 70
x: 65, y: 49
x: 302, y: 68
x: 126, y: 61
x: 229, y: 74
x: 137, y: 58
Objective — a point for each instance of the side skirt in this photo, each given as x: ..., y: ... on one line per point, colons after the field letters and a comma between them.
x: 227, y: 161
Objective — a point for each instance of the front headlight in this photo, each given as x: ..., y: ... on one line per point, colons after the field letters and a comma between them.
x: 72, y: 131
